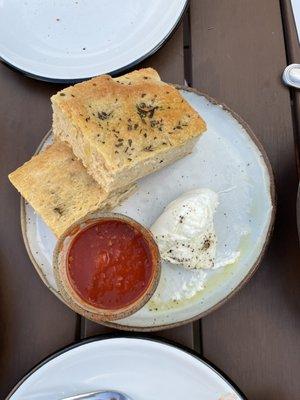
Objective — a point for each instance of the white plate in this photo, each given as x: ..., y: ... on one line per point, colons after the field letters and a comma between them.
x: 227, y: 159
x: 63, y: 40
x: 143, y: 369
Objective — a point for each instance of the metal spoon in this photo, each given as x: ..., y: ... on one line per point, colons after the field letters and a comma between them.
x: 291, y: 75
x: 101, y: 395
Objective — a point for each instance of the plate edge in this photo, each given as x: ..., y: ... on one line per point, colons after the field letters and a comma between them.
x: 117, y: 71
x: 142, y: 337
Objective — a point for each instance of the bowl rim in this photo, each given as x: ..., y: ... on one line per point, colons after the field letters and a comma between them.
x: 65, y: 288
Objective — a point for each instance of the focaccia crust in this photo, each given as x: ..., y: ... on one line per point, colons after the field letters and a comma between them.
x: 59, y: 188
x: 123, y: 122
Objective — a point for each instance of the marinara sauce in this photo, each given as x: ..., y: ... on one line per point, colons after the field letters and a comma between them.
x: 110, y: 264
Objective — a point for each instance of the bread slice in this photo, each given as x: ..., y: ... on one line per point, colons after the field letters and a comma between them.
x: 126, y: 127
x: 59, y: 188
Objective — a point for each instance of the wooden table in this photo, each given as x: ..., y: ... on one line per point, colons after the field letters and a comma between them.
x: 235, y: 50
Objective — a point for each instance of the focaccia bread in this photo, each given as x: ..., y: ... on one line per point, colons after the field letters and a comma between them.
x: 59, y: 188
x: 127, y: 127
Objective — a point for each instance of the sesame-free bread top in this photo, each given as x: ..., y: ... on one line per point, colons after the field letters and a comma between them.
x: 59, y: 188
x: 122, y: 128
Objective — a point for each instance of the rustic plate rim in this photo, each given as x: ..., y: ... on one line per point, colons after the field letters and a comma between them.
x: 251, y: 271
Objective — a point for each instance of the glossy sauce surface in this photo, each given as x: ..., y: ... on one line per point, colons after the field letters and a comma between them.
x: 110, y: 264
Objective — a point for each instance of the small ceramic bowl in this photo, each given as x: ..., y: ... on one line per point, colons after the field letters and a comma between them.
x: 70, y: 296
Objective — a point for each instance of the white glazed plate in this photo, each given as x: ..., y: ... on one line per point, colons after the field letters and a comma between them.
x: 143, y: 369
x: 227, y: 159
x: 70, y: 40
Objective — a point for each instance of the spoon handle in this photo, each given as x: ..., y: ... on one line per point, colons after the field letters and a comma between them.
x: 291, y: 75
x: 102, y: 395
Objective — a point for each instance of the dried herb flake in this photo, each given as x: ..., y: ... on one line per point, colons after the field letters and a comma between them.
x: 104, y: 115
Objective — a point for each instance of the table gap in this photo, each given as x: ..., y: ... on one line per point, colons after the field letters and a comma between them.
x: 187, y: 49
x: 292, y: 56
x: 188, y: 79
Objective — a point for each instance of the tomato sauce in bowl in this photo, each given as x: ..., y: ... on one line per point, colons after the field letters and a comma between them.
x: 110, y: 264
x: 107, y: 267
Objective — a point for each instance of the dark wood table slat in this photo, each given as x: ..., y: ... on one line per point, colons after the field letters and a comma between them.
x: 238, y: 56
x: 34, y: 323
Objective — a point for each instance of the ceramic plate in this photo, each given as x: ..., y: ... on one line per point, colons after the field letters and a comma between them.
x: 69, y: 40
x: 227, y: 159
x: 143, y: 369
